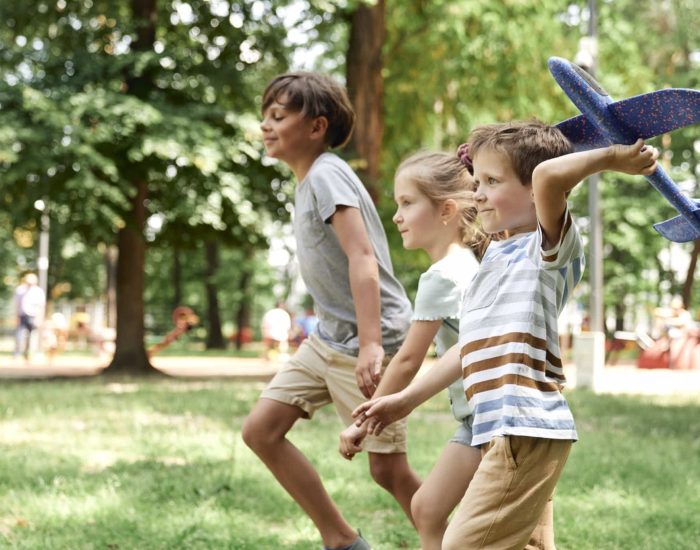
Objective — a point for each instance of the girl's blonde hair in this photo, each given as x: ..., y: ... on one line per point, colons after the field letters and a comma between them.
x: 443, y: 176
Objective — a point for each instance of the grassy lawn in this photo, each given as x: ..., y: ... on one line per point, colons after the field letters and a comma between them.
x: 160, y: 464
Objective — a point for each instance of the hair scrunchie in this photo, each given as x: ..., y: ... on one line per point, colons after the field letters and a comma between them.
x: 463, y: 156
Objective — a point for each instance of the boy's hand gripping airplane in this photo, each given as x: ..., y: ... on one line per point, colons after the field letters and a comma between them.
x: 604, y: 122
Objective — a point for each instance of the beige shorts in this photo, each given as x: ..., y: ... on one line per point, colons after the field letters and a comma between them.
x: 508, y: 504
x: 318, y: 375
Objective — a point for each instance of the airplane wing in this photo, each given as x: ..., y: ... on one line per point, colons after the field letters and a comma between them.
x: 656, y: 113
x: 643, y: 116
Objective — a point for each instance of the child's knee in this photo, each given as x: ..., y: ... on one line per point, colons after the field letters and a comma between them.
x: 423, y: 512
x: 382, y: 472
x: 256, y: 433
x: 249, y: 431
x: 388, y: 470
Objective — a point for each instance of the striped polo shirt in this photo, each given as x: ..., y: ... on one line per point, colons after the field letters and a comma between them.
x: 509, y: 339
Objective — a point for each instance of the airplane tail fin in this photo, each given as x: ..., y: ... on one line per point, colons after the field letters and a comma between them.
x: 582, y: 133
x: 679, y: 229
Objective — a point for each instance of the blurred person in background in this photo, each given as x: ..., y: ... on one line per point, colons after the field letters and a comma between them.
x: 276, y: 325
x: 30, y: 302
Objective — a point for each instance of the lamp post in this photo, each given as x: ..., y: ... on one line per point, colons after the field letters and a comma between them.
x: 43, y: 261
x: 42, y: 265
x: 587, y: 58
x: 589, y: 348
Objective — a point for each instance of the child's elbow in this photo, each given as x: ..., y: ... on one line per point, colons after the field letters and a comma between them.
x: 542, y: 175
x: 361, y: 255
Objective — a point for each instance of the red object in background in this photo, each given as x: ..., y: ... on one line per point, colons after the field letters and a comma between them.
x: 246, y: 335
x: 680, y: 353
x: 655, y: 357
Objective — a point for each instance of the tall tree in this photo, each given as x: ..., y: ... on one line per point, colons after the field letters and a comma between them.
x: 130, y: 352
x: 365, y: 83
x: 109, y: 107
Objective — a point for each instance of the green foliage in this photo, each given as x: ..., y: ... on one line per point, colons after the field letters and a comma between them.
x: 86, y: 110
x: 160, y: 291
x: 451, y: 66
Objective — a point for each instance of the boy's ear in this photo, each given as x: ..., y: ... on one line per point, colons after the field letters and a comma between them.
x: 319, y: 126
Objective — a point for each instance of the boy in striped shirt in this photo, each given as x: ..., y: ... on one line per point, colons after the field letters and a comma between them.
x: 509, y: 345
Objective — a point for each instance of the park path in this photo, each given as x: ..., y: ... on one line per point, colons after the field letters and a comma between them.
x: 623, y: 378
x: 191, y: 366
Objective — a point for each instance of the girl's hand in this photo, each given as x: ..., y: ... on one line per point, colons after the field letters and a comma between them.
x: 383, y: 411
x: 634, y: 159
x: 351, y: 439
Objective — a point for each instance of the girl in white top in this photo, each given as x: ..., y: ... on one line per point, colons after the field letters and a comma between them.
x: 436, y: 213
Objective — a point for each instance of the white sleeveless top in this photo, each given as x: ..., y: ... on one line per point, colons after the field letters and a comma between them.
x: 440, y: 294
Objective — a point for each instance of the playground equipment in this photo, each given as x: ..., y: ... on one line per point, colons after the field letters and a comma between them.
x: 679, y: 353
x: 184, y: 319
x: 604, y: 122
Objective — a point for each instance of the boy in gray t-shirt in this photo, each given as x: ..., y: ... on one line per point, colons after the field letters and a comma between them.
x: 363, y: 311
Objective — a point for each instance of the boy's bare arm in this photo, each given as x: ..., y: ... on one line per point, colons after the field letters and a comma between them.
x: 553, y: 178
x: 364, y: 286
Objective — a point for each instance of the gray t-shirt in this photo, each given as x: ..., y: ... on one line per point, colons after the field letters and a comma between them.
x: 331, y: 183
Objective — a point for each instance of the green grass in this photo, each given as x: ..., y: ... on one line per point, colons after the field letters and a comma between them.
x: 160, y: 464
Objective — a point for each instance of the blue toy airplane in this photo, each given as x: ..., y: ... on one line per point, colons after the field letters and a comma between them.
x: 605, y: 122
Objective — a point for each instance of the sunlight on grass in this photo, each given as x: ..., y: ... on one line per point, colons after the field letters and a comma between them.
x: 160, y: 464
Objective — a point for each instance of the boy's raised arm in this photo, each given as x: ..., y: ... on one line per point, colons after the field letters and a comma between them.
x: 554, y: 178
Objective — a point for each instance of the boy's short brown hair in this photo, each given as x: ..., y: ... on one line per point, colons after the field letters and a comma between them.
x: 314, y: 95
x: 526, y: 144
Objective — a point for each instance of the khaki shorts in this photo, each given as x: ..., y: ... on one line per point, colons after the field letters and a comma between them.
x: 508, y: 505
x: 318, y: 375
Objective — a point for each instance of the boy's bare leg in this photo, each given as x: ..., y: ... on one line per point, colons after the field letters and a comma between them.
x: 392, y: 472
x: 264, y: 431
x: 442, y: 491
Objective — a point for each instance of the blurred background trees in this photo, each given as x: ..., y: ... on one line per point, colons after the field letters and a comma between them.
x: 136, y: 122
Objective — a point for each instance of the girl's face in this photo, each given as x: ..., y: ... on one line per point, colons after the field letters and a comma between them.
x: 286, y: 134
x: 504, y: 203
x: 418, y: 220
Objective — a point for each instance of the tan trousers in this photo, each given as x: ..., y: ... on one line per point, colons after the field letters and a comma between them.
x: 509, y: 501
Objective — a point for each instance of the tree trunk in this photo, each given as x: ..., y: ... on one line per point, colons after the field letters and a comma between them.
x: 687, y: 293
x: 243, y: 313
x: 619, y: 316
x: 110, y: 259
x: 215, y: 339
x: 130, y: 353
x: 177, y: 278
x: 366, y: 89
